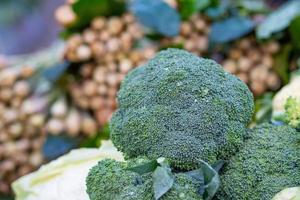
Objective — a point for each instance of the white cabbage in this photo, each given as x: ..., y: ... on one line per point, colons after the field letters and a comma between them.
x: 288, y: 194
x: 64, y: 178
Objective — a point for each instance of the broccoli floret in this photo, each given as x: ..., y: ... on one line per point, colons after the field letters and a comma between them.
x: 111, y: 179
x: 181, y: 107
x: 268, y: 163
x: 292, y: 112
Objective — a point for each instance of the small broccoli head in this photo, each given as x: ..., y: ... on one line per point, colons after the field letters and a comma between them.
x: 181, y: 107
x: 292, y: 112
x: 268, y: 163
x: 111, y: 179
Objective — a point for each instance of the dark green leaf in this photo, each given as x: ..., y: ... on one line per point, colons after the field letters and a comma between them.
x: 253, y: 5
x: 230, y: 29
x: 6, y: 197
x: 208, y: 178
x: 157, y: 15
x: 53, y: 73
x: 95, y: 141
x: 56, y: 146
x: 163, y: 181
x: 188, y: 7
x: 86, y: 10
x: 196, y: 174
x: 263, y: 108
x: 279, y: 19
x: 281, y: 63
x: 144, y: 168
x: 294, y: 30
x: 211, y: 180
x: 217, y: 9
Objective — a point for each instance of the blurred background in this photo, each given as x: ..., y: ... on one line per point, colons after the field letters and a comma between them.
x: 62, y: 62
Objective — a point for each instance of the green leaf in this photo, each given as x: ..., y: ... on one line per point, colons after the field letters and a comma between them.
x: 294, y: 30
x: 53, y: 73
x: 281, y: 63
x: 253, y: 5
x: 263, y: 108
x: 6, y: 197
x: 278, y: 20
x: 144, y: 168
x: 86, y: 10
x: 230, y: 29
x: 188, y: 7
x: 95, y: 141
x: 217, y: 9
x: 163, y: 181
x: 167, y: 22
x: 208, y: 178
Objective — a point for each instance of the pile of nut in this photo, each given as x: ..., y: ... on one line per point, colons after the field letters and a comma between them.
x: 106, y: 51
x: 193, y: 35
x: 252, y: 63
x: 21, y: 125
x: 69, y: 120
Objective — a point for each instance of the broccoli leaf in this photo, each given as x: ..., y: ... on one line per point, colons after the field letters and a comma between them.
x: 163, y: 181
x: 144, y: 168
x: 279, y: 19
x: 157, y: 15
x: 208, y: 177
x: 211, y: 180
x: 231, y: 29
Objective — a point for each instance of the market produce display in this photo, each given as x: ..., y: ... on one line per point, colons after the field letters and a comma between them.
x: 260, y: 162
x: 181, y: 88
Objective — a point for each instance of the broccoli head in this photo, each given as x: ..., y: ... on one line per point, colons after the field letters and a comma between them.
x: 268, y: 163
x: 183, y: 108
x: 292, y: 112
x: 111, y: 179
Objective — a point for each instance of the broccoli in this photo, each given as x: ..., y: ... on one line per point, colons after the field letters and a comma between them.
x: 292, y: 112
x: 183, y: 108
x: 268, y: 163
x: 111, y: 179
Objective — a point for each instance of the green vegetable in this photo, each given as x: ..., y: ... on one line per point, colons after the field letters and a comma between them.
x: 292, y: 112
x: 111, y: 179
x: 268, y: 163
x: 183, y: 108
